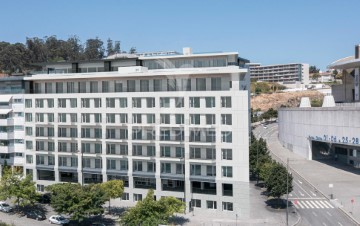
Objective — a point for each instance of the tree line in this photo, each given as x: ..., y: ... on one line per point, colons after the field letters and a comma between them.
x: 20, y: 57
x: 262, y: 167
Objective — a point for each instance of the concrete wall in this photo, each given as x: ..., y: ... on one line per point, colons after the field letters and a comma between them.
x: 298, y: 126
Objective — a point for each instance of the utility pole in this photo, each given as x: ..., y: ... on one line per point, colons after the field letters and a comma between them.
x: 287, y: 192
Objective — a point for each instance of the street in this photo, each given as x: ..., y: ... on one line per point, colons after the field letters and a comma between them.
x: 313, y: 207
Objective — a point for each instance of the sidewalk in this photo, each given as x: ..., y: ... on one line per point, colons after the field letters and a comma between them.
x: 346, y: 185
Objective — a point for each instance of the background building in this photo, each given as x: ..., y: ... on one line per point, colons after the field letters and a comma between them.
x: 180, y: 131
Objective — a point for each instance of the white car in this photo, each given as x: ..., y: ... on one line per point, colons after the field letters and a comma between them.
x: 57, y: 219
x: 5, y: 207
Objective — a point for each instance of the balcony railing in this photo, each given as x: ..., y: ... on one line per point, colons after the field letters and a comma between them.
x: 170, y: 188
x: 204, y: 191
x: 227, y: 193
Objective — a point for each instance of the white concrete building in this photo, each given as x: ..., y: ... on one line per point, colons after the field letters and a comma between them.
x: 12, y: 121
x: 281, y: 73
x: 183, y: 132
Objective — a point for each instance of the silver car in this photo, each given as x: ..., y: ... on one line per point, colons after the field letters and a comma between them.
x: 5, y: 207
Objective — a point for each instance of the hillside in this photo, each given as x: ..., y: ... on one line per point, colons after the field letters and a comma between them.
x: 276, y: 100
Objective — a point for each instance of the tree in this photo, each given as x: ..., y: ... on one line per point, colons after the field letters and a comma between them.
x: 276, y: 181
x: 110, y: 47
x: 94, y: 49
x: 316, y: 76
x: 313, y: 69
x: 77, y: 201
x: 258, y: 152
x: 113, y: 189
x: 150, y: 212
x: 132, y: 50
x: 265, y: 169
x: 15, y: 185
x: 117, y: 48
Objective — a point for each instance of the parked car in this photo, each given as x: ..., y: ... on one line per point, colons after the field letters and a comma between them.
x: 5, y: 207
x: 57, y: 219
x: 37, y: 215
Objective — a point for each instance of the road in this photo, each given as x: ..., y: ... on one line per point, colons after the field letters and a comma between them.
x: 313, y: 207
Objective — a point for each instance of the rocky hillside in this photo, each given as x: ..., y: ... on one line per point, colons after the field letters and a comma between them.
x: 276, y: 100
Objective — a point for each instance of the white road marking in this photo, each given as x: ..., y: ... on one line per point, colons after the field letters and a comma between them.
x: 319, y: 203
x: 300, y: 205
x: 316, y: 206
x: 323, y: 202
x: 290, y: 195
x: 313, y: 194
x: 329, y: 204
x: 302, y: 189
x: 328, y: 213
x: 301, y: 193
x: 305, y: 205
x: 300, y: 182
x: 307, y: 202
x: 340, y: 224
x: 324, y: 224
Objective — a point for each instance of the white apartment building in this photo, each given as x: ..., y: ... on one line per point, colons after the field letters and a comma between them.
x: 183, y: 132
x: 12, y: 121
x: 281, y: 73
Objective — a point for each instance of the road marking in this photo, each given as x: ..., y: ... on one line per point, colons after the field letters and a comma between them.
x: 314, y: 213
x: 329, y: 204
x: 300, y: 182
x: 313, y: 193
x: 323, y: 202
x: 290, y: 195
x: 340, y: 224
x: 309, y: 204
x: 305, y: 205
x: 302, y: 189
x: 316, y: 206
x: 328, y: 213
x: 309, y: 198
x: 300, y: 205
x: 321, y: 206
x: 324, y: 224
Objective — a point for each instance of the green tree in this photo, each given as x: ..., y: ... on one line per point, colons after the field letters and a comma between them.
x: 316, y: 76
x: 110, y: 47
x: 265, y: 169
x: 132, y: 50
x: 19, y: 187
x: 113, y: 189
x: 77, y: 201
x: 94, y: 49
x: 258, y: 153
x: 276, y: 181
x: 117, y: 47
x: 150, y: 212
x: 313, y: 69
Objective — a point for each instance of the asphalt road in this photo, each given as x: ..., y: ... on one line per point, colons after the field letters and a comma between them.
x: 313, y: 207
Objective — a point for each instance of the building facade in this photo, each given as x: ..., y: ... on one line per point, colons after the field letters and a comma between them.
x: 12, y: 121
x: 181, y: 131
x: 281, y: 73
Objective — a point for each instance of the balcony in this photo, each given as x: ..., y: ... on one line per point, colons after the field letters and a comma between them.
x: 144, y: 183
x: 203, y: 188
x: 204, y: 191
x: 68, y: 177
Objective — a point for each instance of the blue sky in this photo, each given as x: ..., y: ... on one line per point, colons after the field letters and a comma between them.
x: 266, y: 31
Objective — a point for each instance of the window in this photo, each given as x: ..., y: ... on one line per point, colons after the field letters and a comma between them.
x: 29, y: 145
x: 136, y: 118
x: 165, y: 118
x: 215, y: 83
x: 28, y: 117
x: 196, y: 203
x: 40, y: 160
x: 137, y: 166
x: 137, y: 197
x: 98, y: 164
x: 125, y: 196
x: 28, y: 131
x: 51, y: 160
x: 62, y: 103
x: 210, y: 153
x: 62, y: 161
x: 110, y: 102
x: 110, y: 133
x: 40, y: 187
x: 137, y: 134
x: 165, y: 151
x: 39, y: 103
x: 227, y: 206
x: 59, y: 87
x: 151, y: 167
x: 48, y: 87
x: 123, y: 102
x: 97, y: 118
x: 210, y: 102
x: 164, y: 134
x: 85, y: 132
x: 73, y: 117
x: 210, y: 119
x: 195, y: 153
x: 73, y: 132
x: 179, y: 152
x: 62, y: 117
x: 105, y: 86
x: 179, y: 119
x: 111, y: 164
x: 98, y: 148
x: 123, y: 118
x: 157, y: 85
x: 144, y: 85
x: 227, y: 171
x: 97, y: 133
x: 136, y: 102
x: 150, y: 102
x: 29, y: 159
x: 211, y: 205
x: 226, y: 137
x: 165, y: 168
x: 194, y: 102
x: 85, y: 117
x: 97, y: 102
x: 110, y: 118
x: 195, y: 119
x: 137, y: 150
x: 73, y: 102
x: 62, y: 132
x: 131, y: 85
x: 118, y: 87
x: 94, y: 87
x: 50, y: 132
x: 164, y: 102
x: 150, y: 118
x: 70, y: 87
x: 171, y: 85
x: 226, y: 154
x: 185, y: 84
x: 74, y: 162
x: 226, y: 102
x: 179, y: 102
x: 195, y: 136
x: 200, y: 84
x: 39, y: 117
x: 150, y: 151
x: 28, y: 103
x: 180, y: 169
x: 226, y: 119
x: 211, y: 171
x: 87, y: 163
x: 50, y: 103
x: 85, y: 102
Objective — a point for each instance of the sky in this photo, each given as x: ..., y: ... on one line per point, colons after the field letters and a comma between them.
x: 317, y: 32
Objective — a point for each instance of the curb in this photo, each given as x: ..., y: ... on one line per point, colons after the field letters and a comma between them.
x: 340, y: 208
